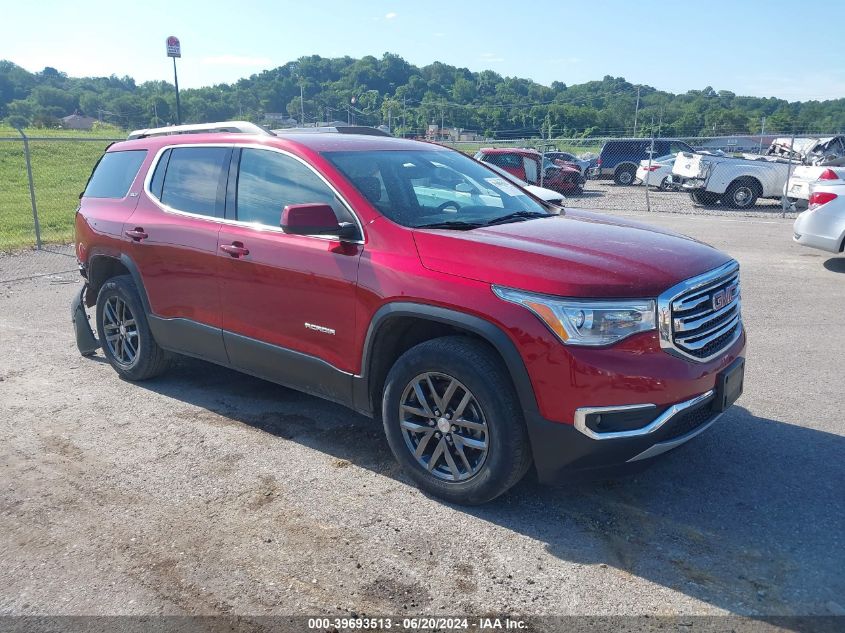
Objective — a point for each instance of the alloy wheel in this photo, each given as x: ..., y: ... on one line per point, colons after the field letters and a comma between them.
x: 444, y: 427
x: 121, y: 331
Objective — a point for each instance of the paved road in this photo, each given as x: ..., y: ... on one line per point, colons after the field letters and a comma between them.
x: 206, y: 491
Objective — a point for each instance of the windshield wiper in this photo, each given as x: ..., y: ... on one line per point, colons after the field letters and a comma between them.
x: 517, y: 216
x: 457, y: 225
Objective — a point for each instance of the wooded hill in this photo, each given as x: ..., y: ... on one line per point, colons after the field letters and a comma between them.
x: 374, y: 91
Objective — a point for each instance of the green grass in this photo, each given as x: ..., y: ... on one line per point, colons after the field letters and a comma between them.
x: 60, y: 170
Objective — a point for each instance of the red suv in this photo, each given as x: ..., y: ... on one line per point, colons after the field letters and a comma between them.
x: 487, y: 330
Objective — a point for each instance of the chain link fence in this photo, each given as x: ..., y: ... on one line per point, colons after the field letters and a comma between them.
x: 41, y: 178
x: 627, y: 174
x: 40, y: 181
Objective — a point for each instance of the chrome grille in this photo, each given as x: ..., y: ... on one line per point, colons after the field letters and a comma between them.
x: 700, y: 317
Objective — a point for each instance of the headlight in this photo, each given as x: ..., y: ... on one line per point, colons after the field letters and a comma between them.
x: 586, y: 322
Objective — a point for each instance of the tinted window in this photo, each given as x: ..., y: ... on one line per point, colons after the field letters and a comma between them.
x: 114, y: 174
x: 158, y: 177
x: 193, y: 178
x: 269, y: 181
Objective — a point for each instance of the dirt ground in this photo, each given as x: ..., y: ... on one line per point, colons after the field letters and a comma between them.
x: 209, y: 492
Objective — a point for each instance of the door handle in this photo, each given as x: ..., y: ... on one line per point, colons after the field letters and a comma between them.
x: 235, y: 249
x: 137, y: 234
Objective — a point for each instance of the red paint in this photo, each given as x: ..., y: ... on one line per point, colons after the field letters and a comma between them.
x: 270, y: 284
x: 562, y: 177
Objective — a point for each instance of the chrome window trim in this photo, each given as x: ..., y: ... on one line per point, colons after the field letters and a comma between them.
x: 250, y: 225
x: 582, y: 412
x: 664, y: 310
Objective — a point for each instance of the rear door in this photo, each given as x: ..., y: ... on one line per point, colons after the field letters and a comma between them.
x: 288, y: 300
x: 173, y: 240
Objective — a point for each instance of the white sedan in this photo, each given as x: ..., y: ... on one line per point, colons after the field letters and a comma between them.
x: 547, y: 195
x: 659, y: 173
x: 822, y: 225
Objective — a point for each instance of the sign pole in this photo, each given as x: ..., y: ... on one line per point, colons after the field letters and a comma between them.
x: 174, y: 50
x: 178, y: 106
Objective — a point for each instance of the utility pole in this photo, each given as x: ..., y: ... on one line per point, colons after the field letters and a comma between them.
x: 441, y: 120
x: 390, y: 118
x: 762, y: 132
x: 403, y: 116
x: 301, y: 104
x: 636, y: 111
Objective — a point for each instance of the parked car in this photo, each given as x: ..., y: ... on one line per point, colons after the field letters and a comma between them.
x: 485, y: 338
x: 569, y: 159
x: 803, y: 177
x: 548, y: 195
x: 525, y: 164
x: 822, y: 225
x: 619, y: 159
x: 657, y: 172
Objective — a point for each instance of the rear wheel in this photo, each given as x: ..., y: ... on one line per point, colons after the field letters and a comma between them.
x: 742, y: 194
x: 705, y: 198
x: 124, y: 332
x: 453, y: 422
x: 625, y: 175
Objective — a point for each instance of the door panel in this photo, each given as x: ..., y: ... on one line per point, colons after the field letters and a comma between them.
x: 292, y: 291
x: 178, y: 257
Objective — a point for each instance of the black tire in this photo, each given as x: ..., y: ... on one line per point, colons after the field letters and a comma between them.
x: 705, y: 198
x: 148, y: 360
x: 493, y: 405
x: 664, y: 184
x: 742, y: 194
x: 625, y: 175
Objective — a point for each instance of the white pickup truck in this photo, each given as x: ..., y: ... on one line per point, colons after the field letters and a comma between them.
x: 736, y: 182
x: 740, y: 182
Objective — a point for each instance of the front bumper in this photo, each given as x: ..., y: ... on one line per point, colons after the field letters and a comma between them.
x: 563, y: 450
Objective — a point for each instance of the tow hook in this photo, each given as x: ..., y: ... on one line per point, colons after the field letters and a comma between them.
x: 85, y: 339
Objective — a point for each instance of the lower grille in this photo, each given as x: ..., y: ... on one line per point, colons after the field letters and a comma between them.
x: 690, y: 420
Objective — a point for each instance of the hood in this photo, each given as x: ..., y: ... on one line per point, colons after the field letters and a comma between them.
x: 579, y: 254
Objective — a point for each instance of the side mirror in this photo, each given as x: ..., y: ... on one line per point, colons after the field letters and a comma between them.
x: 314, y: 219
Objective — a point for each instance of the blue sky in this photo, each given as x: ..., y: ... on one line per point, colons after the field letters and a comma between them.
x: 752, y: 47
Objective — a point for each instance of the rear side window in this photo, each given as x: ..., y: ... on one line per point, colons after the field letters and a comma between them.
x: 269, y: 181
x: 194, y: 180
x: 114, y: 174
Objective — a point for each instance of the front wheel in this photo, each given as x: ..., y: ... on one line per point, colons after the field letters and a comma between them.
x: 453, y: 421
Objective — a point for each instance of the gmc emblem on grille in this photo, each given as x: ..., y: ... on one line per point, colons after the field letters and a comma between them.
x: 723, y: 297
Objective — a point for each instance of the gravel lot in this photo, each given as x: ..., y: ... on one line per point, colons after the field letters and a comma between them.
x: 206, y: 491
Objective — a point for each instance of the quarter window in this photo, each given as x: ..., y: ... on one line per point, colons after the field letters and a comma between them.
x: 269, y: 181
x: 114, y: 174
x: 195, y: 179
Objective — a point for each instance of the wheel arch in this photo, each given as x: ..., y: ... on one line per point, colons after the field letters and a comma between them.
x: 103, y: 267
x: 398, y: 326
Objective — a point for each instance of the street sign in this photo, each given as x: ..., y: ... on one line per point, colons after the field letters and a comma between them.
x: 174, y: 49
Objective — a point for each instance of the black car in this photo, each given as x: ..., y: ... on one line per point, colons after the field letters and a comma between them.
x: 619, y: 159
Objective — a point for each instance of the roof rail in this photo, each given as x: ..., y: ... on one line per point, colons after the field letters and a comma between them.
x: 333, y: 129
x: 238, y: 127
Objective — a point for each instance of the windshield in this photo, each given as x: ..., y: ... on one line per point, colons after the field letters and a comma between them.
x: 435, y: 188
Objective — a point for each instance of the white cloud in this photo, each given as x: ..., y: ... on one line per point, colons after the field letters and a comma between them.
x: 235, y: 60
x: 491, y: 57
x: 391, y: 16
